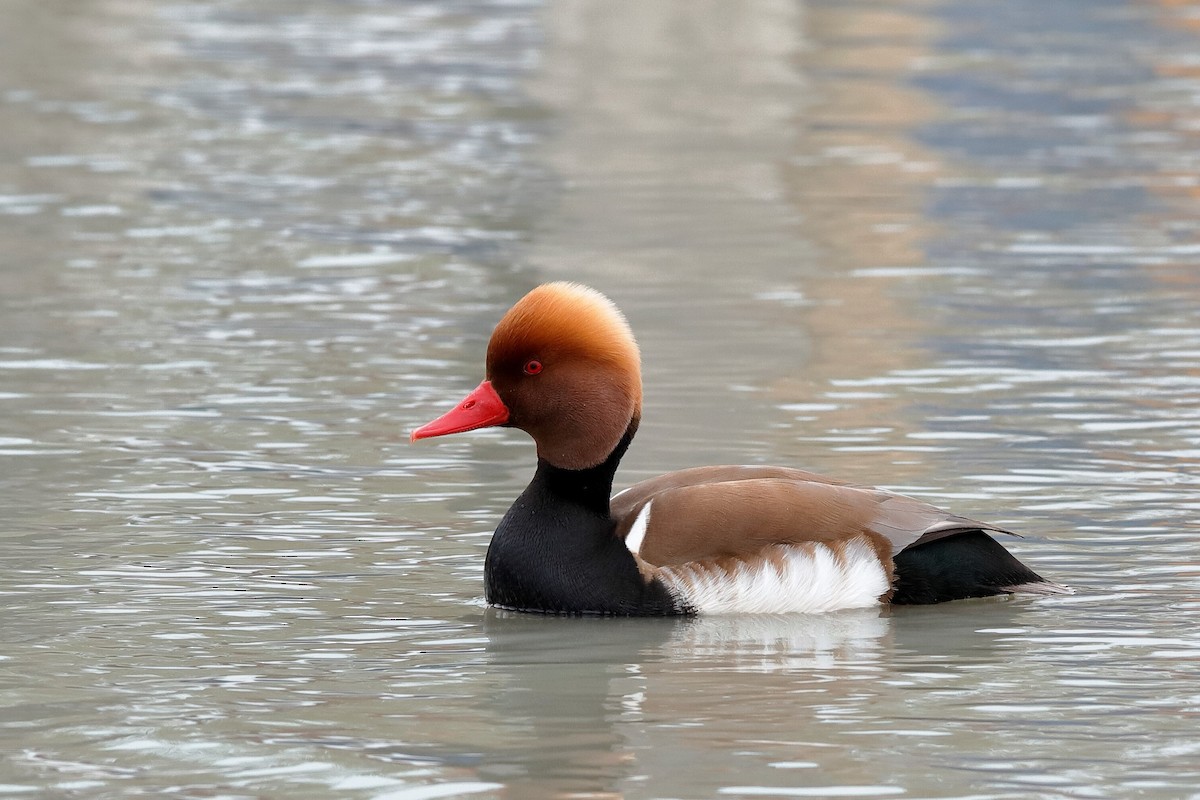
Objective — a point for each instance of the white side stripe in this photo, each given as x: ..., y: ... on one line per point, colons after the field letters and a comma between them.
x: 804, y: 578
x: 638, y: 532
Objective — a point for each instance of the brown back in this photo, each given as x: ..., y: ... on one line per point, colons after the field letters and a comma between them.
x: 709, y: 512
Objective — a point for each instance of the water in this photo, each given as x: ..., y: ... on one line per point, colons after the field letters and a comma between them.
x: 950, y: 248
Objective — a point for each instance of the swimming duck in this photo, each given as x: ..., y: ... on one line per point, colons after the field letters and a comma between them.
x: 563, y: 366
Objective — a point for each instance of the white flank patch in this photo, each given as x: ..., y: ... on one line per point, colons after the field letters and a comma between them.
x: 811, y: 579
x: 638, y: 532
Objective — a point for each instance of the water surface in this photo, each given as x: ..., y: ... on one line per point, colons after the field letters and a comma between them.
x: 949, y: 248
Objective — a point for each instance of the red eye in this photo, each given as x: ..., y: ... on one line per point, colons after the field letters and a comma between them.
x: 533, y: 367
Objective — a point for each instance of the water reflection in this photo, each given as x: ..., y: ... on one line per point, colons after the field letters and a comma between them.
x: 588, y: 701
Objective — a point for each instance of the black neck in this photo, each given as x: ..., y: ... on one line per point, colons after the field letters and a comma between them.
x: 556, y: 550
x: 589, y: 488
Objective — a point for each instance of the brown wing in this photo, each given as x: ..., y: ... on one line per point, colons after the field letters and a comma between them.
x: 711, y: 512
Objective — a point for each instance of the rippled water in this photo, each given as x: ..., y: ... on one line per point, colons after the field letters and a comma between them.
x: 950, y: 248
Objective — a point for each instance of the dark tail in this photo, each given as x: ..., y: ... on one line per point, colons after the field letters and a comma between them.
x: 970, y: 564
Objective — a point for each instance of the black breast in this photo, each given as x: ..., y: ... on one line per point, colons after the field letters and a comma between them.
x: 556, y: 552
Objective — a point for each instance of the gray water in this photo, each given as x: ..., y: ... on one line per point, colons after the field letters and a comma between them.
x: 951, y: 248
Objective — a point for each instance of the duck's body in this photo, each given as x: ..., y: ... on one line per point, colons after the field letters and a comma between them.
x: 563, y: 366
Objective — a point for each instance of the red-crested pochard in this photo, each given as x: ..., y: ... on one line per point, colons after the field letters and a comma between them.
x: 563, y: 366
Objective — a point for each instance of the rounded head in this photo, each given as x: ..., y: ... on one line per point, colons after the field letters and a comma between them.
x: 564, y: 362
x: 563, y: 366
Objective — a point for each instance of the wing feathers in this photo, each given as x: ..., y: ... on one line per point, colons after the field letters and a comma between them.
x: 710, y: 512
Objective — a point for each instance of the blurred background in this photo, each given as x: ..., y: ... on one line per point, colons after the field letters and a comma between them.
x: 949, y: 247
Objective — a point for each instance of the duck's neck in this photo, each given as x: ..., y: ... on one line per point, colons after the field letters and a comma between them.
x: 556, y: 550
x: 588, y: 488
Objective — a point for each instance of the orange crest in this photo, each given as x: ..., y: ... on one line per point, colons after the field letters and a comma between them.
x: 566, y: 320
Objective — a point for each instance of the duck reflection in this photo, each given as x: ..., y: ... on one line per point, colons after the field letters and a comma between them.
x: 608, y: 704
x: 605, y: 707
x: 963, y: 632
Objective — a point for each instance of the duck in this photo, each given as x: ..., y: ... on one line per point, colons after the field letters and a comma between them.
x: 563, y: 366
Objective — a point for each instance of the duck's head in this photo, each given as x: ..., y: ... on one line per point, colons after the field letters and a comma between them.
x: 562, y: 365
